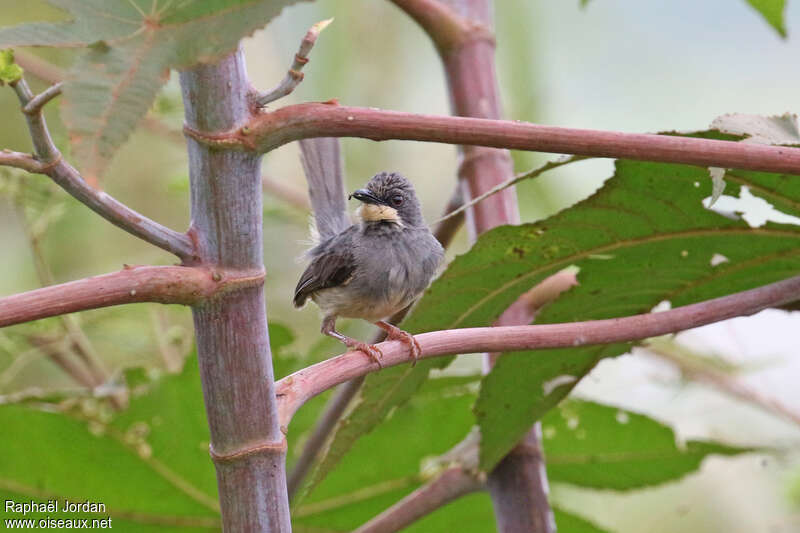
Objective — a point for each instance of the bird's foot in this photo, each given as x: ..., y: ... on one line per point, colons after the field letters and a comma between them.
x: 372, y: 351
x: 396, y: 334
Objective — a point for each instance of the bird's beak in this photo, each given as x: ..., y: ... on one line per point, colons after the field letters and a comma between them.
x: 366, y: 196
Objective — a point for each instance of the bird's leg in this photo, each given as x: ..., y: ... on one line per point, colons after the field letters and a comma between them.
x: 395, y: 333
x: 329, y: 328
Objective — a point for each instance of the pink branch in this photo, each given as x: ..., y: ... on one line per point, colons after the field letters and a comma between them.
x: 27, y: 162
x: 164, y: 284
x: 445, y: 488
x: 270, y: 130
x: 294, y: 390
x: 51, y: 163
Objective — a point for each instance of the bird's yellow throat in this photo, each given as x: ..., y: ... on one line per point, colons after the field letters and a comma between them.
x: 378, y: 213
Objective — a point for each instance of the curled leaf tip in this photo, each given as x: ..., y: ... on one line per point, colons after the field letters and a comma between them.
x: 10, y: 72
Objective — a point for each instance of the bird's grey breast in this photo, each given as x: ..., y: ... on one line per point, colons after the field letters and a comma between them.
x: 398, y: 265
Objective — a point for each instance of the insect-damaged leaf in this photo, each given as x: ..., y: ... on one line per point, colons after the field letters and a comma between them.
x: 602, y: 447
x: 643, y: 238
x: 130, y: 47
x: 658, y: 244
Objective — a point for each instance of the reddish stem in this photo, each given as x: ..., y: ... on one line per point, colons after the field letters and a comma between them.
x: 296, y: 389
x: 162, y: 284
x: 268, y: 131
x: 443, y: 489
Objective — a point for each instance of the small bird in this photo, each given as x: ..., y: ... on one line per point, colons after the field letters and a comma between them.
x: 376, y: 267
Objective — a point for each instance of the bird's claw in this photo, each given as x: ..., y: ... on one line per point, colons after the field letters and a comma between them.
x: 372, y: 351
x: 414, y: 348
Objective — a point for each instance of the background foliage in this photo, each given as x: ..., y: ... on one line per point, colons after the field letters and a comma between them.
x: 161, y: 476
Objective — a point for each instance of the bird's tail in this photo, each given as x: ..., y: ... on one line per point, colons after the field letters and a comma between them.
x: 322, y: 162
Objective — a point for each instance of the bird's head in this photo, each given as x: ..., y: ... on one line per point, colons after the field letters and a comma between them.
x: 389, y: 197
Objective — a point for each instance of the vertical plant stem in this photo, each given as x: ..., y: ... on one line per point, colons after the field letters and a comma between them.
x: 518, y: 485
x: 247, y: 445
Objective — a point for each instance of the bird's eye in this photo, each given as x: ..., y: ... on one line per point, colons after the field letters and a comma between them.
x: 397, y: 200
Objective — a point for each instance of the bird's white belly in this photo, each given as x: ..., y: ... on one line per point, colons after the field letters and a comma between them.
x: 340, y: 302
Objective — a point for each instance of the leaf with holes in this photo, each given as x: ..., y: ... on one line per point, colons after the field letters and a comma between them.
x: 602, y: 447
x: 130, y: 47
x: 782, y: 130
x: 647, y: 227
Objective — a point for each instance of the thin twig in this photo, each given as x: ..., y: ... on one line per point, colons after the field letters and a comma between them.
x: 550, y: 165
x: 70, y: 180
x: 172, y: 358
x: 288, y: 194
x: 36, y: 103
x: 81, y: 347
x: 334, y: 410
x: 446, y: 487
x: 61, y: 356
x: 27, y: 162
x: 723, y: 382
x: 295, y: 75
x: 161, y: 284
x: 267, y: 131
x: 295, y: 389
x: 446, y: 227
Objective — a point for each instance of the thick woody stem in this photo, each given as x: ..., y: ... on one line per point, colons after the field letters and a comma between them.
x: 270, y: 130
x: 444, y: 25
x: 296, y: 389
x: 443, y: 489
x: 161, y: 284
x: 52, y: 164
x: 520, y: 500
x: 247, y: 445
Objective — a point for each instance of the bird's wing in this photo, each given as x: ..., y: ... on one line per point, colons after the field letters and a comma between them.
x: 329, y: 269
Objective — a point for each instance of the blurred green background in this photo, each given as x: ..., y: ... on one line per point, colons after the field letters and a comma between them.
x: 615, y: 65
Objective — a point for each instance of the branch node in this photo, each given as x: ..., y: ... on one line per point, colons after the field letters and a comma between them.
x: 265, y: 448
x: 229, y: 139
x: 47, y: 167
x: 36, y: 104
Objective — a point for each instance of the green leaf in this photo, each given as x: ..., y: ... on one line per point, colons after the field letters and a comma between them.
x: 649, y: 218
x: 131, y: 45
x: 9, y: 71
x: 602, y: 447
x: 391, y: 462
x: 571, y: 523
x: 772, y: 11
x: 155, y: 470
x: 652, y: 232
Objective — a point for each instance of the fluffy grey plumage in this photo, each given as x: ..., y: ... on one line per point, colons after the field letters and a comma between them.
x: 375, y: 267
